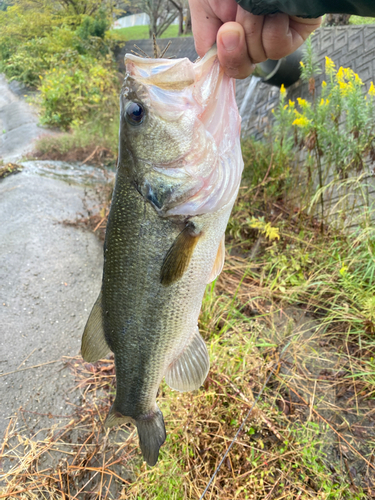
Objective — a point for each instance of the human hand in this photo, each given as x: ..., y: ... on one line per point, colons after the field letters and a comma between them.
x: 243, y: 39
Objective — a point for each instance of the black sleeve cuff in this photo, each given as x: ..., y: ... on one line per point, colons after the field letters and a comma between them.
x: 311, y: 8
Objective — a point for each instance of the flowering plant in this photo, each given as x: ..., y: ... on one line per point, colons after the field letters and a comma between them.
x: 334, y: 131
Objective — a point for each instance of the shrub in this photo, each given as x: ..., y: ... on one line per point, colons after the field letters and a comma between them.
x: 61, y: 49
x: 73, y: 91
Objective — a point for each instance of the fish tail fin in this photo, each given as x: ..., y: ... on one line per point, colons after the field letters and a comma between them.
x: 151, y: 431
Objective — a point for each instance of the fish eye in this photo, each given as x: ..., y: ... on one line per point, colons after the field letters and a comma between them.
x: 134, y: 113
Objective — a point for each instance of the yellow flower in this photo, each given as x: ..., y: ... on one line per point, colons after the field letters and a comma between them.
x: 346, y: 88
x: 282, y: 90
x: 301, y: 121
x: 291, y: 103
x: 357, y: 79
x: 371, y: 91
x: 340, y: 75
x: 303, y: 103
x: 323, y: 102
x: 330, y: 66
x: 324, y: 84
x: 343, y: 270
x: 302, y: 65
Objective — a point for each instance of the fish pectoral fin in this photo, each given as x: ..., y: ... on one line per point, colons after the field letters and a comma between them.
x: 179, y: 255
x: 219, y: 261
x: 94, y: 346
x: 151, y: 431
x: 190, y: 369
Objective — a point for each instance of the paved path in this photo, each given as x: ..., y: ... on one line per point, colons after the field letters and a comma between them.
x: 18, y: 122
x: 49, y: 278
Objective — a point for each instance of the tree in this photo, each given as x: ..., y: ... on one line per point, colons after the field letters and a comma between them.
x: 179, y: 6
x: 187, y: 28
x: 337, y: 19
x: 130, y: 6
x: 184, y: 17
x: 161, y: 13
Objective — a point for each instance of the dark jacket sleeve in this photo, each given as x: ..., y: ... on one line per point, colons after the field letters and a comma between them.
x: 310, y: 8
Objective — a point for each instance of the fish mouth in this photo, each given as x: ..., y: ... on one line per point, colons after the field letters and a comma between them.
x: 195, y: 101
x: 167, y: 74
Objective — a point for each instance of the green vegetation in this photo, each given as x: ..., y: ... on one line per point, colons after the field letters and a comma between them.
x: 63, y: 50
x: 334, y: 136
x: 361, y: 20
x: 141, y: 32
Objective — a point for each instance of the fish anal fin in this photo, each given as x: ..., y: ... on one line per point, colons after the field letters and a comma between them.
x: 94, y: 345
x: 151, y: 431
x: 190, y: 369
x: 179, y: 256
x: 114, y: 418
x: 219, y: 261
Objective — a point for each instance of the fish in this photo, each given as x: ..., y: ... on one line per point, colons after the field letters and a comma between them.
x: 177, y: 179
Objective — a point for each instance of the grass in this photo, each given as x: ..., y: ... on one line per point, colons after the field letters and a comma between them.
x: 291, y: 284
x: 311, y: 434
x: 94, y: 142
x: 141, y: 32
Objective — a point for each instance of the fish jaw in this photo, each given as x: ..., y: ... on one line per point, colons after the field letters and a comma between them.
x: 192, y: 113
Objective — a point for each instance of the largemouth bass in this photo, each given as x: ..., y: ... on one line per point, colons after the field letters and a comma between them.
x: 177, y: 178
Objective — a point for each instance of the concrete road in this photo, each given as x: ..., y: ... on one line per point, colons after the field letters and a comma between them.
x: 50, y: 276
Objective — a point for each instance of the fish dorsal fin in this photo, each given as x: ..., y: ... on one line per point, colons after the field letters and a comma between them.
x: 190, y: 369
x: 179, y: 255
x: 94, y: 345
x: 219, y: 261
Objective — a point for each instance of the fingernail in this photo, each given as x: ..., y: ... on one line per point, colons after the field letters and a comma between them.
x: 230, y: 40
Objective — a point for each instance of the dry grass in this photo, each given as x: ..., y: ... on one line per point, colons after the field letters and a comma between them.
x: 281, y: 453
x: 96, y: 206
x: 312, y: 433
x: 8, y: 169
